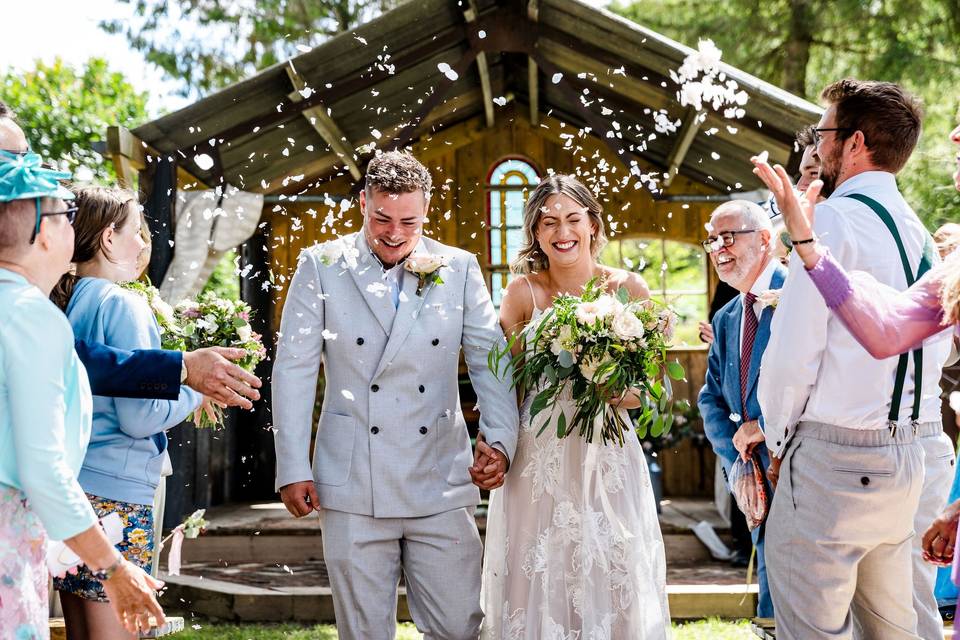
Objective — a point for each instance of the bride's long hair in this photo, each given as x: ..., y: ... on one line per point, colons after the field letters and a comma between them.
x: 531, y: 258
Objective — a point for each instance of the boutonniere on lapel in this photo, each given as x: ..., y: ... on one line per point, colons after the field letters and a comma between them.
x: 769, y: 298
x: 427, y: 269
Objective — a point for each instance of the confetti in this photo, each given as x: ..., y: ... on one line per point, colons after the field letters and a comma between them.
x: 557, y: 77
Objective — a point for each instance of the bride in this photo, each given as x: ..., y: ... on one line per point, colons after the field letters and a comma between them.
x: 573, y: 544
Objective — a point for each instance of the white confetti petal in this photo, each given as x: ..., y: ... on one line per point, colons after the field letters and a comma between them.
x: 557, y: 77
x: 203, y: 161
x: 346, y: 394
x: 328, y: 335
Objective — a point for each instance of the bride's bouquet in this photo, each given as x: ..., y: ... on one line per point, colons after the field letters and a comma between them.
x: 208, y: 321
x: 601, y: 347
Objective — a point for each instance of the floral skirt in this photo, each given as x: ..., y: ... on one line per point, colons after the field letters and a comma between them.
x: 137, y: 546
x: 24, y: 605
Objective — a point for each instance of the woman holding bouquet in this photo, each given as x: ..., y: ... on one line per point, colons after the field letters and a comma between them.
x: 122, y: 466
x: 573, y: 546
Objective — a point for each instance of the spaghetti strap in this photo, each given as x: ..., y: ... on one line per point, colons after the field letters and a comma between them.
x: 533, y: 296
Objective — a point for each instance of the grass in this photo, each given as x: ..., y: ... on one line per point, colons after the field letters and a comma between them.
x: 712, y: 629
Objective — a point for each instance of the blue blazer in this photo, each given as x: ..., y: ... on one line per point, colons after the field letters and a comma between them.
x: 720, y: 396
x: 145, y: 373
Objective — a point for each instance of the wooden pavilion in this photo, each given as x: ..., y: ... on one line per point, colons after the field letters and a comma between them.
x: 490, y: 95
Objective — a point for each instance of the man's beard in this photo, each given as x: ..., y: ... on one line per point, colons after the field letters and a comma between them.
x: 829, y: 172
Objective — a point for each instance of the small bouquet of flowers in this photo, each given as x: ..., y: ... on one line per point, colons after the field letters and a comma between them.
x: 208, y: 321
x: 600, y: 347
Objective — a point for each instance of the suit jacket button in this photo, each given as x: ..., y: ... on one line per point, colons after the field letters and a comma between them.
x: 864, y: 480
x: 423, y: 430
x: 435, y: 341
x: 778, y: 443
x: 359, y: 340
x: 422, y: 388
x: 374, y: 430
x: 375, y: 388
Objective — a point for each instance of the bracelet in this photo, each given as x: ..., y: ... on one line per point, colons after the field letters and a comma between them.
x: 105, y: 574
x: 807, y: 241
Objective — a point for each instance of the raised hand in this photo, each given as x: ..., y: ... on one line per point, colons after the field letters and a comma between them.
x: 210, y: 372
x: 489, y: 466
x: 797, y: 210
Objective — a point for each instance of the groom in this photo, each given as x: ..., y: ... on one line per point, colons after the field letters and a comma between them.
x: 386, y: 311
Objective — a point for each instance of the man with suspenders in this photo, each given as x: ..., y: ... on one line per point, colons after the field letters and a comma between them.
x: 863, y: 461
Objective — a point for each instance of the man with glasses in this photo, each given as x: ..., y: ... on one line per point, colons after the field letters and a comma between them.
x: 860, y: 439
x: 740, y: 249
x: 145, y: 373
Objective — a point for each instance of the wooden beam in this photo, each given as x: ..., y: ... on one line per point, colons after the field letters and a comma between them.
x: 324, y: 124
x: 470, y: 14
x: 533, y: 86
x: 688, y: 131
x: 131, y: 155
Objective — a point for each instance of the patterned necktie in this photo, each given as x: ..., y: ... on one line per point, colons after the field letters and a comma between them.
x: 746, y: 350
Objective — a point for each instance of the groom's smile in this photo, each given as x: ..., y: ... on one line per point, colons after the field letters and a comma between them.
x: 393, y: 223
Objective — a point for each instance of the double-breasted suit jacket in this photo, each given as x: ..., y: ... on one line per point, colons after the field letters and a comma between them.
x: 391, y: 439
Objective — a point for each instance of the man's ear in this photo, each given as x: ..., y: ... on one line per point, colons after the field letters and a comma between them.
x: 363, y: 202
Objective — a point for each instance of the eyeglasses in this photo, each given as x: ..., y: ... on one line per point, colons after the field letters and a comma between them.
x: 70, y: 212
x: 725, y: 239
x: 817, y: 131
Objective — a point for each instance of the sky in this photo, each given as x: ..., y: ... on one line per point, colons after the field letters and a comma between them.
x: 63, y: 29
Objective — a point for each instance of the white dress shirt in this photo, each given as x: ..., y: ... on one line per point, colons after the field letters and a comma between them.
x: 393, y: 277
x: 813, y: 369
x: 761, y: 284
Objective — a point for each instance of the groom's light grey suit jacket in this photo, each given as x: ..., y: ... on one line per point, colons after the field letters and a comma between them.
x: 391, y: 440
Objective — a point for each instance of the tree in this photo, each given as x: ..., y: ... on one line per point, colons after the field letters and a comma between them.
x: 64, y: 110
x: 803, y: 45
x: 208, y: 44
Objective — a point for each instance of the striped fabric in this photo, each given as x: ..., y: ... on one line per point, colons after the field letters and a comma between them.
x: 746, y: 348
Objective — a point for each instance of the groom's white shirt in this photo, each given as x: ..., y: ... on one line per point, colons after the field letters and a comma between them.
x: 391, y: 440
x: 813, y: 369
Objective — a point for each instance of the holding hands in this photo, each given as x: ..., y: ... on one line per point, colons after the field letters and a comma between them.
x: 940, y: 538
x: 489, y: 465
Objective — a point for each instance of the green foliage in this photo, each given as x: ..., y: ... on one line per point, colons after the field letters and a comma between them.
x: 803, y: 46
x: 208, y: 44
x: 674, y: 271
x: 64, y: 110
x: 224, y: 281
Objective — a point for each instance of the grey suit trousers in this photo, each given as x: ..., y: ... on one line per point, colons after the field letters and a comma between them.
x: 840, y: 533
x: 440, y: 557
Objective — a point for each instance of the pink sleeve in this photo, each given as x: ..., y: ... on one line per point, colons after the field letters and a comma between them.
x: 885, y: 321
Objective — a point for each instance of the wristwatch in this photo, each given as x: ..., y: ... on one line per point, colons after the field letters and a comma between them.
x: 183, y: 370
x: 105, y: 574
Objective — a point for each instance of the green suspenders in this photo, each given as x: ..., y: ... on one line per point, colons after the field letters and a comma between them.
x: 926, y: 262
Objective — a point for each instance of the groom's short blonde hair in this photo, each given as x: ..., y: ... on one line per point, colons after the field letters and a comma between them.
x: 397, y: 172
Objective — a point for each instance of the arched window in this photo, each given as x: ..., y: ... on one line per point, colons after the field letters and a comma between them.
x: 508, y: 185
x: 676, y: 273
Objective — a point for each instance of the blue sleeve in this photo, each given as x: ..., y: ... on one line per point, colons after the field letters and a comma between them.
x: 36, y: 356
x: 717, y: 425
x: 118, y: 373
x: 128, y: 323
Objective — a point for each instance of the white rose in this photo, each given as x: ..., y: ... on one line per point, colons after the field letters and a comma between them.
x: 769, y: 298
x: 245, y: 333
x: 162, y: 309
x: 590, y: 365
x: 627, y: 326
x: 601, y: 308
x: 556, y: 347
x: 424, y: 263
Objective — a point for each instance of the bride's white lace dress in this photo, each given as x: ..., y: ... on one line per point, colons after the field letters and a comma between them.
x: 573, y: 547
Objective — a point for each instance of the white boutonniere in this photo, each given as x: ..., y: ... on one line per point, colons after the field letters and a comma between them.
x: 769, y: 298
x: 427, y: 269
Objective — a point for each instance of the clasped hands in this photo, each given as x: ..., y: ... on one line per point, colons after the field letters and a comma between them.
x: 489, y: 465
x: 941, y: 536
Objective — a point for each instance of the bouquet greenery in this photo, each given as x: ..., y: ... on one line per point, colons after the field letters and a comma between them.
x: 600, y: 347
x: 208, y: 321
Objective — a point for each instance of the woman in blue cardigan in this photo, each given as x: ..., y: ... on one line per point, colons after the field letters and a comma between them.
x: 128, y: 445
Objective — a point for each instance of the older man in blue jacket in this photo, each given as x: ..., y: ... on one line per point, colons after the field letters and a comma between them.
x: 740, y: 247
